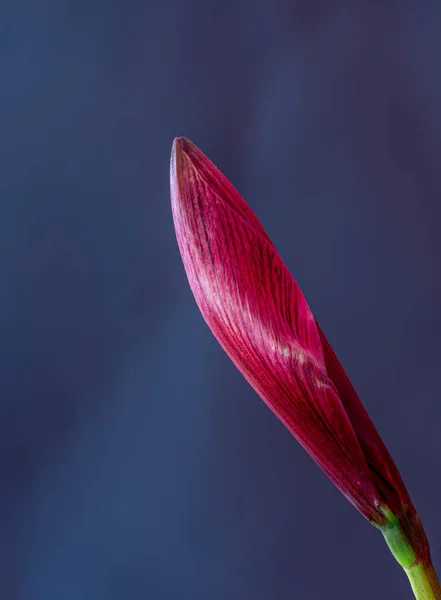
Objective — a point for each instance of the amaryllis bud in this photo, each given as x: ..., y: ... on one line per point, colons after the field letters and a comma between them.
x: 256, y: 310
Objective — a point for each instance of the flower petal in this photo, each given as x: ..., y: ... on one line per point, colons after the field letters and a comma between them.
x: 259, y: 315
x: 383, y: 469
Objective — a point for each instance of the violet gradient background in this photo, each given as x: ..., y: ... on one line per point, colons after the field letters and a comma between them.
x: 135, y: 462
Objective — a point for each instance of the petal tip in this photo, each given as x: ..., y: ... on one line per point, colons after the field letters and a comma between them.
x: 180, y: 145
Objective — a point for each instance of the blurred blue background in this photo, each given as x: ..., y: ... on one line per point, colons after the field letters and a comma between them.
x: 135, y: 461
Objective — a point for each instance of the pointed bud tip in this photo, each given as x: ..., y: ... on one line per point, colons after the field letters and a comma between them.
x: 182, y: 144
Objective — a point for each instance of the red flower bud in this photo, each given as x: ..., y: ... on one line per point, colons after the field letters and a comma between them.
x: 256, y: 310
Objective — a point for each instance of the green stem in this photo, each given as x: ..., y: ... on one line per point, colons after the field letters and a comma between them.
x: 407, y: 541
x: 424, y: 582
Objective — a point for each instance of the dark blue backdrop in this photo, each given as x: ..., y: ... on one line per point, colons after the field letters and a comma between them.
x: 135, y: 462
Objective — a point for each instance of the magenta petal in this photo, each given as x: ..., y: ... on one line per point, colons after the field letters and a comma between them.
x: 257, y: 312
x: 381, y: 465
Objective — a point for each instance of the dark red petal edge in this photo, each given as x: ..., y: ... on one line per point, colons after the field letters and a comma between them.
x: 384, y: 471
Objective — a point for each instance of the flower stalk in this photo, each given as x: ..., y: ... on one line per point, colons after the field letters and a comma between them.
x: 408, y: 543
x: 424, y: 582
